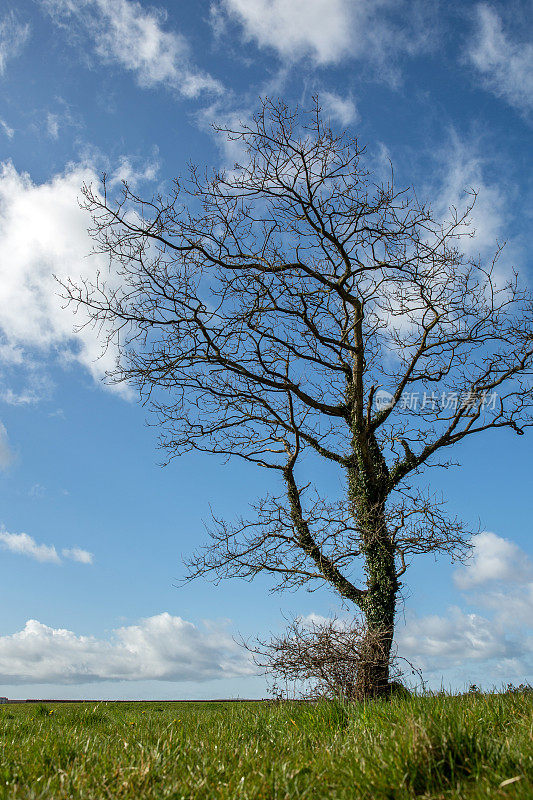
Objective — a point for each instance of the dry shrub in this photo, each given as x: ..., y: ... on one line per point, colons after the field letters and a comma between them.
x: 322, y: 658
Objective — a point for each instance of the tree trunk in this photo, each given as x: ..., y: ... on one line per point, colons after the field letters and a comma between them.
x: 367, y: 490
x: 378, y: 608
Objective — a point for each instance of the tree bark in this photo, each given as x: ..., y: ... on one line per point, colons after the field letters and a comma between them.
x: 367, y: 487
x: 379, y: 609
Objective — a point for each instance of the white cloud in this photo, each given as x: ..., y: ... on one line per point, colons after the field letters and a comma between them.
x: 494, y: 559
x: 462, y: 167
x: 9, y: 132
x: 512, y: 604
x: 321, y: 28
x: 465, y: 648
x: 61, y: 116
x: 52, y: 125
x: 501, y: 575
x: 13, y: 36
x: 6, y: 454
x: 43, y: 232
x: 77, y: 554
x: 131, y: 36
x: 38, y: 386
x: 342, y: 109
x: 494, y: 648
x: 133, y: 175
x: 459, y: 636
x: 330, y: 31
x: 506, y: 67
x: 25, y: 545
x: 219, y: 114
x: 162, y: 647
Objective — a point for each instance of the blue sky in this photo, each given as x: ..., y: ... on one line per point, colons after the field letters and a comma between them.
x: 91, y: 527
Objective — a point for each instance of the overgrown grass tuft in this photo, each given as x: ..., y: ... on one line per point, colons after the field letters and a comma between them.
x: 468, y: 748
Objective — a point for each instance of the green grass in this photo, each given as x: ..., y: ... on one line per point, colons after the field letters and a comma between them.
x: 425, y: 747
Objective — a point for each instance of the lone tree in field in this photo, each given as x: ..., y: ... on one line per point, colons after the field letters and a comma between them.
x: 293, y: 310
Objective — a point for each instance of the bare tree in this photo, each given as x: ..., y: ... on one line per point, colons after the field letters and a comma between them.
x: 293, y: 309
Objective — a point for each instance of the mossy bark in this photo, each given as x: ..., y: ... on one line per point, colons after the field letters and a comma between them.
x: 368, y: 482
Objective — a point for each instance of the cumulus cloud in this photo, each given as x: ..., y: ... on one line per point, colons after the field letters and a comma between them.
x: 43, y: 232
x: 125, y: 33
x: 6, y: 454
x: 467, y: 648
x: 462, y: 166
x: 77, y: 554
x: 459, y: 166
x: 494, y: 559
x: 317, y: 27
x: 218, y: 114
x: 127, y: 171
x: 497, y: 644
x: 37, y: 386
x: 162, y: 647
x: 25, y: 545
x: 499, y: 577
x: 13, y: 36
x: 505, y: 66
x: 512, y: 605
x: 341, y: 109
x: 453, y: 638
x: 330, y: 31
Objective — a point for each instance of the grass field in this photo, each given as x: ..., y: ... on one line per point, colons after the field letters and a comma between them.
x: 475, y: 746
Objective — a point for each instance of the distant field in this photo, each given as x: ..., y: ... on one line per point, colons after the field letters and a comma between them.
x: 433, y: 747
